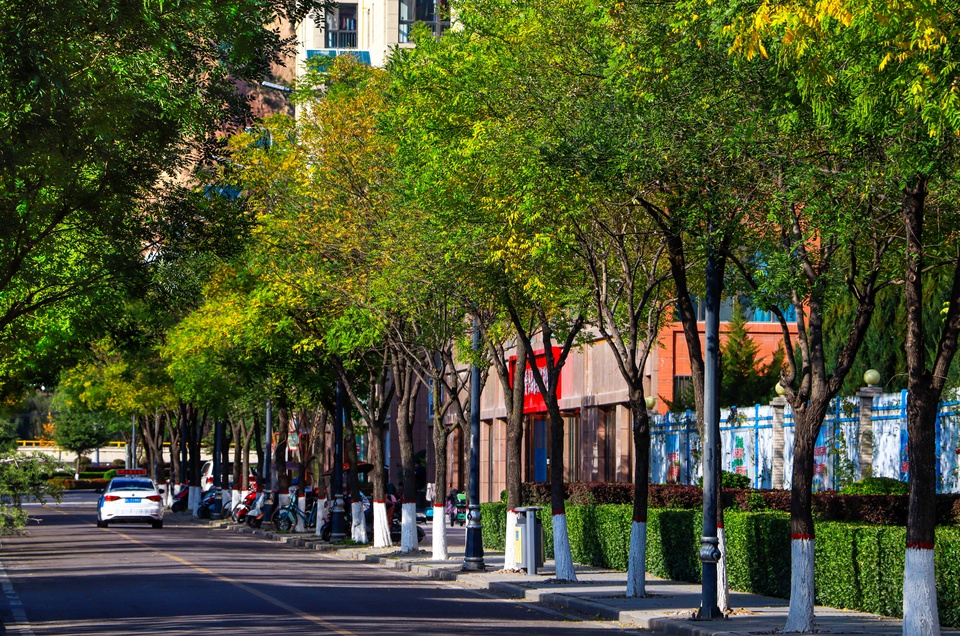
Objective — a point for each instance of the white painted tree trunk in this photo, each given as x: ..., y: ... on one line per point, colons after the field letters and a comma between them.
x: 439, y: 534
x: 562, y: 558
x: 358, y: 531
x: 238, y: 496
x: 381, y: 526
x: 800, y: 617
x: 194, y: 496
x: 637, y: 563
x: 408, y: 528
x: 723, y: 582
x: 510, y: 557
x: 302, y: 505
x: 920, y: 593
x: 321, y: 515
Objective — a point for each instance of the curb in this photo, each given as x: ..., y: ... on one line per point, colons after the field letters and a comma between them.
x: 588, y: 608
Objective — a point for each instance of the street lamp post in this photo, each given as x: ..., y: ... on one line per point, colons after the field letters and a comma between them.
x: 473, y: 555
x: 709, y: 552
x: 337, y: 520
x: 267, y: 506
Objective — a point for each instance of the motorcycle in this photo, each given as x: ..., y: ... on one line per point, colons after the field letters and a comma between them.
x: 211, y: 505
x: 240, y: 511
x: 181, y: 500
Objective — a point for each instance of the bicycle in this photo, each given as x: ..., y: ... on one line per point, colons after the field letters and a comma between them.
x: 287, y: 517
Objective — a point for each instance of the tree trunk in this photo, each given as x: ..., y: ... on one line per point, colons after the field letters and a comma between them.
x: 358, y: 530
x: 562, y: 555
x: 808, y: 419
x: 514, y: 453
x: 381, y: 525
x: 637, y: 563
x: 407, y: 388
x: 924, y: 389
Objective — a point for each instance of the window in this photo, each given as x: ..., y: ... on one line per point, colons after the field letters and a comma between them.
x: 434, y: 13
x: 342, y: 27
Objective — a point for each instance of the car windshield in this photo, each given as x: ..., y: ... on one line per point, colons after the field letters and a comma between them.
x: 131, y: 484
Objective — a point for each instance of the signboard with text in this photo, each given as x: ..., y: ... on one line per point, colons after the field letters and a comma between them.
x: 532, y: 399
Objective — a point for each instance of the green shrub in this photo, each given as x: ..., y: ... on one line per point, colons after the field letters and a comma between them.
x: 758, y: 551
x: 110, y: 474
x: 837, y: 573
x: 948, y: 575
x: 876, y: 486
x: 673, y: 544
x: 493, y: 518
x: 729, y: 480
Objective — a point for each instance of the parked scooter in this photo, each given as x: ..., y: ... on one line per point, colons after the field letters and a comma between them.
x: 211, y: 504
x: 181, y: 500
x: 241, y: 510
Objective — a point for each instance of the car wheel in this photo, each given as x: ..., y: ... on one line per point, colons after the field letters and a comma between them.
x: 157, y: 525
x: 101, y: 524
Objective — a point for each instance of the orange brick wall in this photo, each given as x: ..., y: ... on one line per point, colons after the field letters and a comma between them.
x: 674, y: 358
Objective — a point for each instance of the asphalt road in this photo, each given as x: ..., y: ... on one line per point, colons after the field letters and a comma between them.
x: 70, y: 577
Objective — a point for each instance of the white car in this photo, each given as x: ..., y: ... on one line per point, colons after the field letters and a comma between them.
x: 131, y: 497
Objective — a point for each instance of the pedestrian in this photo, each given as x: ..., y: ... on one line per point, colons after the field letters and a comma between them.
x: 451, y: 506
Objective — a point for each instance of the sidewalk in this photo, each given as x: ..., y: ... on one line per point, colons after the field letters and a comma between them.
x: 668, y: 606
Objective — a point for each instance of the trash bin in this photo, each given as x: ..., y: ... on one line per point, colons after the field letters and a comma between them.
x: 528, y: 540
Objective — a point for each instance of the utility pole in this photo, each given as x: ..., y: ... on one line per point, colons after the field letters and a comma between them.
x: 473, y: 555
x: 709, y: 552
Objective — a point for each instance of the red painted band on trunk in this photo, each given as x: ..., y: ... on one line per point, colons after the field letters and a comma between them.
x: 923, y: 545
x: 559, y: 512
x: 511, y: 510
x: 719, y: 526
x: 379, y: 501
x: 438, y: 505
x: 639, y: 519
x: 797, y: 537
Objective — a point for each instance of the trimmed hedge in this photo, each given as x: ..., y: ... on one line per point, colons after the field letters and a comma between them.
x: 758, y: 551
x: 883, y: 510
x: 78, y: 484
x: 858, y: 566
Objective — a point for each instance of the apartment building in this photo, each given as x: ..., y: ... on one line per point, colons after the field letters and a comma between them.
x: 368, y: 29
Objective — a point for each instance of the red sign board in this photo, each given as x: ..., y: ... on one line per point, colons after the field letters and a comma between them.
x: 532, y: 398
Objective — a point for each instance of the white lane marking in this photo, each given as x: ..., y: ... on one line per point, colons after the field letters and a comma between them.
x: 20, y: 623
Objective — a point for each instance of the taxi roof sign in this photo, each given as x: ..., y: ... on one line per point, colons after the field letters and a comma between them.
x: 132, y: 471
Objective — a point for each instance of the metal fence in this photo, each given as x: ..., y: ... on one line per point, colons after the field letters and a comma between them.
x: 747, y: 444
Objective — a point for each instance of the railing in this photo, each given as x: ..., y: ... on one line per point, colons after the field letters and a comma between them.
x: 342, y: 39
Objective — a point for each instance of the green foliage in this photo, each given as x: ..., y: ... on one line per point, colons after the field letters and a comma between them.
x: 24, y: 476
x: 729, y: 479
x: 876, y: 486
x: 80, y: 432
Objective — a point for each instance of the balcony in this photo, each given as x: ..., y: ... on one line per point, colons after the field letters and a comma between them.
x: 341, y: 39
